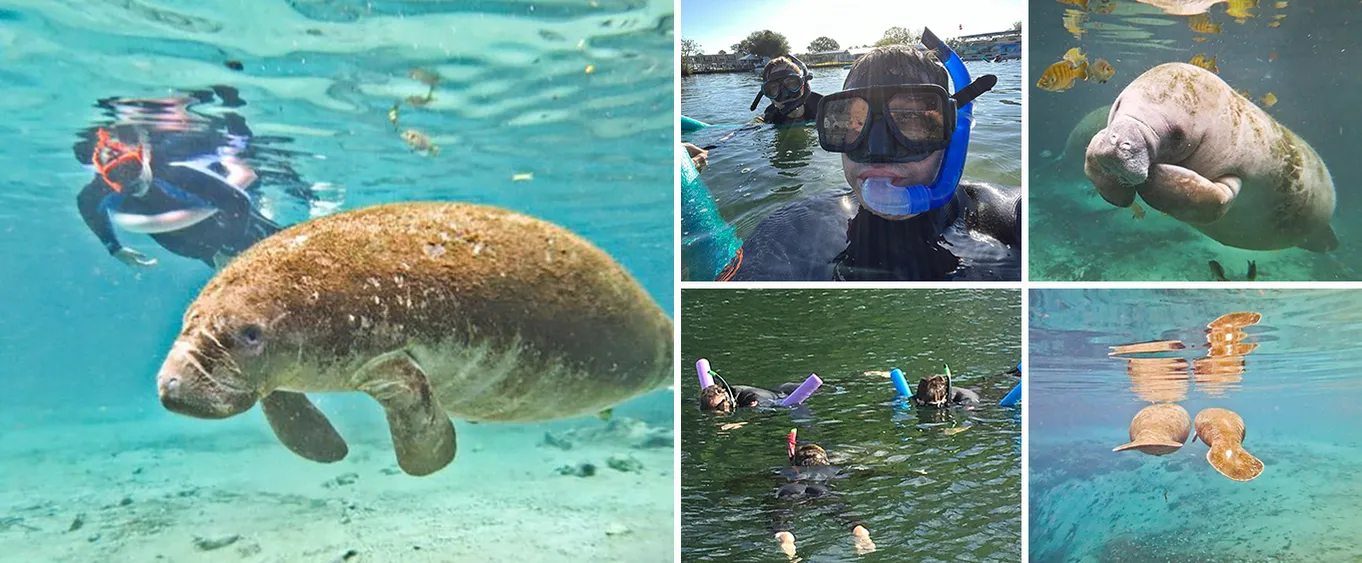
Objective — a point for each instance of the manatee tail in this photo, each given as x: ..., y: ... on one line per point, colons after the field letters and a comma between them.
x: 1232, y: 461
x: 1151, y: 447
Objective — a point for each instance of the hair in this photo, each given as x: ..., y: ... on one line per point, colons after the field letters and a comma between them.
x: 895, y: 64
x: 778, y: 62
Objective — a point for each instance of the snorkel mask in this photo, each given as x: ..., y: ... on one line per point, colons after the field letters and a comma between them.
x: 787, y: 90
x: 113, y: 156
x: 905, y: 123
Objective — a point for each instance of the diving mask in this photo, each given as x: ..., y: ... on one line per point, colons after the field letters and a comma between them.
x: 116, y: 162
x: 900, y: 123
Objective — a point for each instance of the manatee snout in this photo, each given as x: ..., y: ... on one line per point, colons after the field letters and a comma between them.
x: 192, y: 384
x: 1117, y: 161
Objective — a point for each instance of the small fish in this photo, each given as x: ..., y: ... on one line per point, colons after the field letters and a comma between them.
x: 427, y: 77
x: 1269, y: 100
x: 1239, y: 9
x: 1218, y: 271
x: 1272, y: 57
x: 522, y: 177
x: 1165, y: 496
x: 606, y: 414
x: 1075, y: 56
x: 420, y: 142
x: 1061, y: 76
x: 1208, y: 64
x: 590, y: 69
x: 1080, y: 3
x: 393, y: 114
x: 1280, y: 5
x: 1253, y: 270
x: 1244, y: 93
x: 1199, y: 39
x: 1274, y: 24
x: 1279, y: 17
x: 1137, y: 211
x: 1101, y: 71
x: 419, y: 101
x: 1201, y: 23
x: 1106, y: 8
x: 1073, y: 23
x: 956, y: 430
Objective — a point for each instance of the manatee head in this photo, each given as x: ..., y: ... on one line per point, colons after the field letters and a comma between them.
x: 1120, y: 152
x: 217, y: 366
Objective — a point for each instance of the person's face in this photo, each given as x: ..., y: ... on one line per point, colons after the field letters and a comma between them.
x: 715, y: 398
x: 899, y: 174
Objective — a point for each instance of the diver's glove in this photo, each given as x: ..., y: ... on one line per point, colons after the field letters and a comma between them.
x: 134, y: 258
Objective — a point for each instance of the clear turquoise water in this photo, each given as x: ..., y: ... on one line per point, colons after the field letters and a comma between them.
x: 1075, y: 235
x: 82, y: 335
x: 924, y: 495
x: 756, y: 172
x: 1298, y: 396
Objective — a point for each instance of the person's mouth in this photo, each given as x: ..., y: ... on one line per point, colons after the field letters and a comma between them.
x: 894, y: 179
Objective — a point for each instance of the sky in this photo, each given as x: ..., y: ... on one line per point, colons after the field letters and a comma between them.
x: 718, y: 24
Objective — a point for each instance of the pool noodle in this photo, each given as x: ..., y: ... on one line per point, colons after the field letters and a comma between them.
x: 688, y: 125
x: 1013, y: 397
x: 803, y: 391
x: 702, y: 369
x: 900, y: 384
x: 708, y: 242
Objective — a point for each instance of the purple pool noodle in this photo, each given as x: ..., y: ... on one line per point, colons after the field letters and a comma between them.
x: 805, y: 389
x: 702, y: 368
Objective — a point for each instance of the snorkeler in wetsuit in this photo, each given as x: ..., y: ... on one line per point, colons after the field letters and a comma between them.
x: 809, y: 474
x: 198, y: 208
x: 785, y: 81
x: 907, y: 215
x: 938, y: 391
x: 722, y: 398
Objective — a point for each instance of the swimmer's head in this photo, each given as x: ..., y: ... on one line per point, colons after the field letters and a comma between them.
x: 934, y: 390
x: 892, y: 66
x: 124, y: 167
x: 809, y: 454
x: 716, y: 398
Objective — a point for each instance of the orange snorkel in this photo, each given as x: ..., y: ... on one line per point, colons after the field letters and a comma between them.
x: 109, y: 153
x: 790, y: 444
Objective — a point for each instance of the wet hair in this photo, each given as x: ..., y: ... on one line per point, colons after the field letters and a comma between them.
x: 933, y: 390
x: 895, y: 64
x: 808, y: 455
x: 777, y: 63
x: 708, y: 394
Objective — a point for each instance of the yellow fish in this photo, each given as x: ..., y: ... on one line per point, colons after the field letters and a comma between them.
x: 1201, y: 23
x: 1274, y: 24
x: 393, y: 113
x: 1239, y: 9
x: 1075, y: 56
x: 1280, y: 5
x: 1199, y: 39
x: 1279, y: 17
x: 1061, y: 76
x: 1269, y: 100
x: 1080, y: 3
x: 1073, y: 23
x: 1244, y: 93
x: 1137, y: 211
x: 1208, y: 64
x: 1101, y: 71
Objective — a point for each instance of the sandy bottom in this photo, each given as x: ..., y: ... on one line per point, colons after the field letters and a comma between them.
x: 1127, y: 507
x: 1077, y: 236
x: 170, y: 489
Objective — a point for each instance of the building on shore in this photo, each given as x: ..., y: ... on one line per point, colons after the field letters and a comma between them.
x: 997, y: 46
x: 723, y: 62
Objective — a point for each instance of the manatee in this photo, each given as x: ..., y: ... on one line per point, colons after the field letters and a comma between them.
x: 1158, y: 429
x: 1223, y: 431
x: 1193, y: 148
x: 434, y: 310
x: 1070, y: 162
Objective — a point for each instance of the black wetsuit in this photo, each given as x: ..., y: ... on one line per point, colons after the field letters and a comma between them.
x: 833, y: 238
x: 748, y: 396
x: 809, y: 482
x: 774, y: 116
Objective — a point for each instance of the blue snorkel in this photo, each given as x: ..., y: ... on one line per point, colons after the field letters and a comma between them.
x: 926, y: 198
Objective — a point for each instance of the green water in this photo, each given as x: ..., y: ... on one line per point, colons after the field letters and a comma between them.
x: 967, y: 505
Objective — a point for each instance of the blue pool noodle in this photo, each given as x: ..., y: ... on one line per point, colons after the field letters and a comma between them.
x: 709, y: 243
x: 805, y: 389
x: 1014, y: 396
x: 688, y: 125
x: 900, y: 384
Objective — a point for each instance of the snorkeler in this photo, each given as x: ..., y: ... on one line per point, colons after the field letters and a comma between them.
x: 785, y: 81
x: 937, y: 391
x: 721, y: 397
x: 907, y: 215
x: 809, y: 474
x: 186, y: 188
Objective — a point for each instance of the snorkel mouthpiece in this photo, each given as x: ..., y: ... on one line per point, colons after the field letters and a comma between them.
x: 790, y: 444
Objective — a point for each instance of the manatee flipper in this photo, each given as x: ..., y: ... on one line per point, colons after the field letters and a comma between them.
x: 302, y: 428
x: 1233, y: 461
x: 423, y: 436
x: 1321, y: 241
x: 1188, y: 196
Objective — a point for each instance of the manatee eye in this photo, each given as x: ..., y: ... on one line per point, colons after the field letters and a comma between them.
x: 250, y: 335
